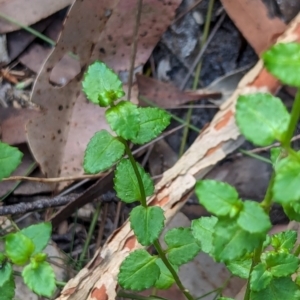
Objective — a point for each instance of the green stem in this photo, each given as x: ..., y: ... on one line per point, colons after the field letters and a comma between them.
x: 267, y: 202
x: 156, y: 242
x: 256, y: 156
x: 192, y: 127
x: 266, y: 205
x: 29, y: 29
x: 60, y: 283
x: 197, y: 75
x: 295, y: 114
x: 297, y: 251
x: 136, y: 171
x: 163, y: 257
x: 89, y: 236
x: 255, y: 261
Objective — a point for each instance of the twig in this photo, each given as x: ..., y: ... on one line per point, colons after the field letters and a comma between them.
x: 21, y: 208
x: 51, y: 180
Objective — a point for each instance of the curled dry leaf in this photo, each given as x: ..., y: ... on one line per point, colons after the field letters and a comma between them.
x: 23, y: 11
x: 216, y: 141
x: 58, y: 138
x: 167, y: 95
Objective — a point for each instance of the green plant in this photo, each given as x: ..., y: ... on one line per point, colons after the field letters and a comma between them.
x: 25, y: 246
x: 237, y: 232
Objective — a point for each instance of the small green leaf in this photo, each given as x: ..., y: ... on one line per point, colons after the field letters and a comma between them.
x: 39, y: 234
x: 278, y: 289
x: 5, y: 273
x: 225, y: 298
x: 18, y: 248
x: 138, y: 271
x: 165, y: 279
x: 261, y: 118
x: 147, y: 223
x: 275, y: 154
x: 284, y: 241
x: 101, y: 85
x: 39, y: 257
x: 10, y: 158
x: 103, y: 150
x: 292, y: 210
x: 182, y: 246
x: 283, y: 61
x: 124, y: 119
x: 232, y: 242
x: 240, y: 268
x: 202, y: 230
x: 281, y: 264
x: 218, y: 198
x: 253, y: 218
x: 8, y: 289
x: 40, y: 278
x: 260, y: 277
x: 153, y: 121
x: 126, y: 183
x: 287, y: 180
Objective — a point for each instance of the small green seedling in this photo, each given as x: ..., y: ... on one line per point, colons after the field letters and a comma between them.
x: 25, y: 246
x: 137, y: 125
x: 236, y: 233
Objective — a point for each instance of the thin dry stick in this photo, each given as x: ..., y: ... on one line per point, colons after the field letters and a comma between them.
x: 51, y: 180
x: 82, y: 177
x: 134, y: 46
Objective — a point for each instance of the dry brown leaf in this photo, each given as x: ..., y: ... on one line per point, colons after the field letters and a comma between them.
x: 167, y: 95
x: 31, y: 187
x: 58, y: 138
x: 19, y: 40
x: 115, y: 43
x: 98, y: 280
x: 251, y: 18
x: 12, y: 122
x: 66, y: 114
x: 34, y: 57
x: 28, y: 12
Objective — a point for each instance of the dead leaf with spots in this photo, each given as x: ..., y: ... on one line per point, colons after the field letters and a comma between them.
x: 59, y: 137
x: 115, y: 42
x: 217, y: 140
x: 253, y: 21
